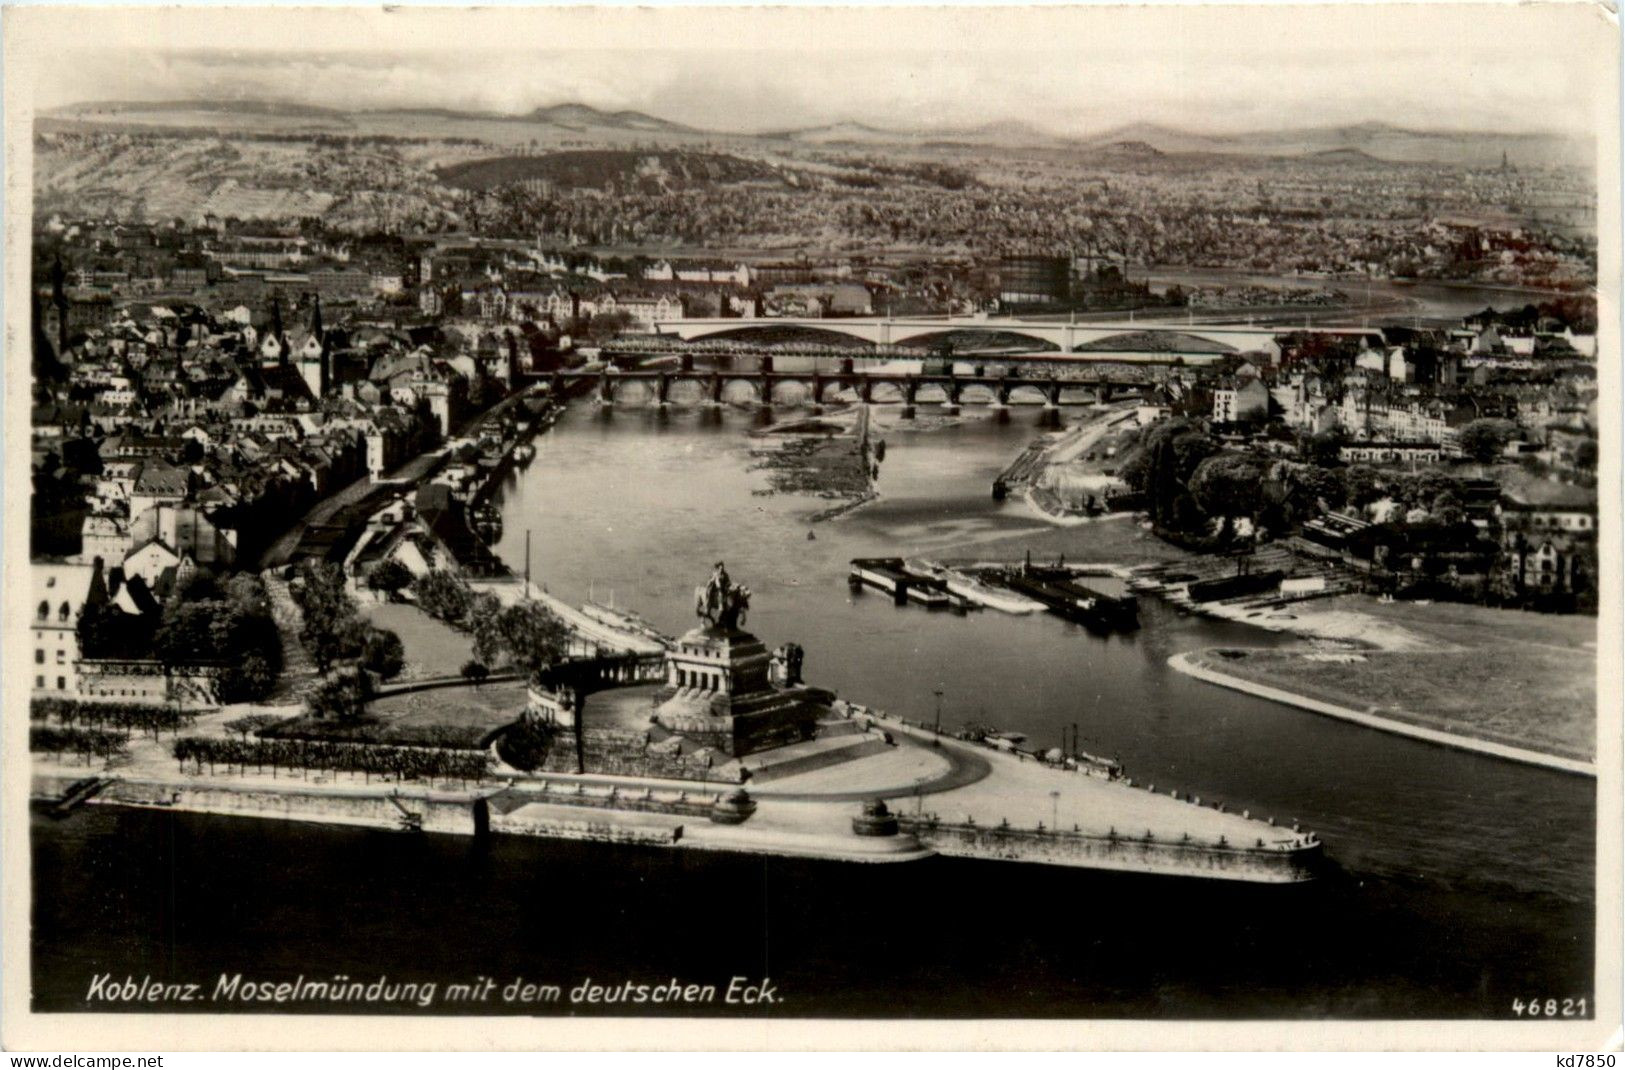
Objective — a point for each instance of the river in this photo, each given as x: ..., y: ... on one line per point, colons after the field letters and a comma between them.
x: 1463, y: 882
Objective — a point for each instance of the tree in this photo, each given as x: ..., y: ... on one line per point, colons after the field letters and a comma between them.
x: 247, y: 591
x: 187, y: 632
x: 475, y: 672
x: 105, y: 631
x: 389, y: 578
x: 1228, y: 485
x: 342, y: 697
x: 383, y: 653
x: 331, y: 630
x: 1484, y: 440
x: 1448, y: 507
x: 1361, y: 485
x: 485, y: 624
x: 533, y: 637
x: 1322, y: 449
x: 250, y: 725
x: 1585, y: 455
x: 609, y: 324
x: 252, y: 678
x: 1190, y: 450
x: 443, y: 595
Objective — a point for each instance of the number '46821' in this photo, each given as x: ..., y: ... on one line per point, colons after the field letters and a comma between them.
x: 1549, y: 1008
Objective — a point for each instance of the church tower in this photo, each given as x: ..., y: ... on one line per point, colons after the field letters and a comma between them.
x: 274, y: 345
x: 313, y: 353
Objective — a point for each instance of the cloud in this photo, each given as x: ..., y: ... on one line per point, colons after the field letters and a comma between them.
x: 1190, y: 67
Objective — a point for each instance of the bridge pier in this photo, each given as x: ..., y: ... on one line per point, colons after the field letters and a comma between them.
x: 714, y: 398
x: 606, y: 392
x: 662, y: 391
x: 767, y: 363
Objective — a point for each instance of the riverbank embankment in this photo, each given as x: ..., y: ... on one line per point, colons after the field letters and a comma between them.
x: 1201, y: 665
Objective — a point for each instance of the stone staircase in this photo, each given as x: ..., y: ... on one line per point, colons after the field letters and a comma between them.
x: 298, y: 670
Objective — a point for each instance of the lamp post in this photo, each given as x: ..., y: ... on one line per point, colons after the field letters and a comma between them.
x: 936, y: 738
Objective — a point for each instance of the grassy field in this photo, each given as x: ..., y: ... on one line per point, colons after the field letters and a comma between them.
x: 433, y: 648
x: 443, y: 717
x: 1524, y: 679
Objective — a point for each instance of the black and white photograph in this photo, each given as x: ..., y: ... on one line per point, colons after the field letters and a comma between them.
x: 812, y: 527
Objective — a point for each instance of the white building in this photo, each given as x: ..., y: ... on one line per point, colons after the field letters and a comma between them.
x: 59, y: 597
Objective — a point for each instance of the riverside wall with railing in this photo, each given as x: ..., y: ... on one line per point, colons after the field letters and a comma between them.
x: 1139, y: 854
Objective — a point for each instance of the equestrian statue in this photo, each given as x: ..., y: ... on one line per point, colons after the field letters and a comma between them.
x: 720, y: 602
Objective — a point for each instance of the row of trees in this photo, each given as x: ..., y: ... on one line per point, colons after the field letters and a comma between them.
x: 401, y: 763
x: 88, y: 743
x: 127, y: 717
x: 525, y: 635
x: 208, y: 621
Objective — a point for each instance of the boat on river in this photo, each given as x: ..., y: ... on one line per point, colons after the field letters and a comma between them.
x: 905, y: 584
x: 986, y: 594
x: 971, y: 591
x: 1074, y: 597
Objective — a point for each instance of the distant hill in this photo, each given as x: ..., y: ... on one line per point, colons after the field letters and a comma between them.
x: 1123, y: 149
x: 1002, y: 134
x: 571, y: 122
x: 585, y: 117
x: 1364, y: 141
x: 569, y: 116
x: 225, y: 107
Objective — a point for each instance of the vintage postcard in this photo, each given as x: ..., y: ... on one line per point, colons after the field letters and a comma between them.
x: 1086, y: 527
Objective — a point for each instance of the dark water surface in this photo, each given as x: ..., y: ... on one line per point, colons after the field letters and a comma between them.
x: 1462, y: 882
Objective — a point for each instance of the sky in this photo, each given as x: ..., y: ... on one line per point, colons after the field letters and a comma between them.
x: 1063, y: 71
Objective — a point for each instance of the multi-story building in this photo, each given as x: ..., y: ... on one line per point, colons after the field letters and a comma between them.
x: 60, y: 589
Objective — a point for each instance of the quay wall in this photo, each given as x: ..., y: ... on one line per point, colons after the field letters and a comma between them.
x: 624, y: 819
x: 622, y: 754
x: 1261, y: 865
x: 697, y: 807
x: 604, y: 830
x: 449, y: 812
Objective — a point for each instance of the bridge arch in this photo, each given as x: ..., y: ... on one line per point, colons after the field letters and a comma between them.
x: 739, y: 390
x: 1027, y: 391
x: 991, y: 333
x: 791, y: 391
x: 1182, y: 341
x: 767, y: 331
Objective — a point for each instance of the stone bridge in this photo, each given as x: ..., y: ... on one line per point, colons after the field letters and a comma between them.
x: 994, y: 389
x: 1154, y: 342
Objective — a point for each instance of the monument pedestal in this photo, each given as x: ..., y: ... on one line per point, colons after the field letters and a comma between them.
x: 718, y: 693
